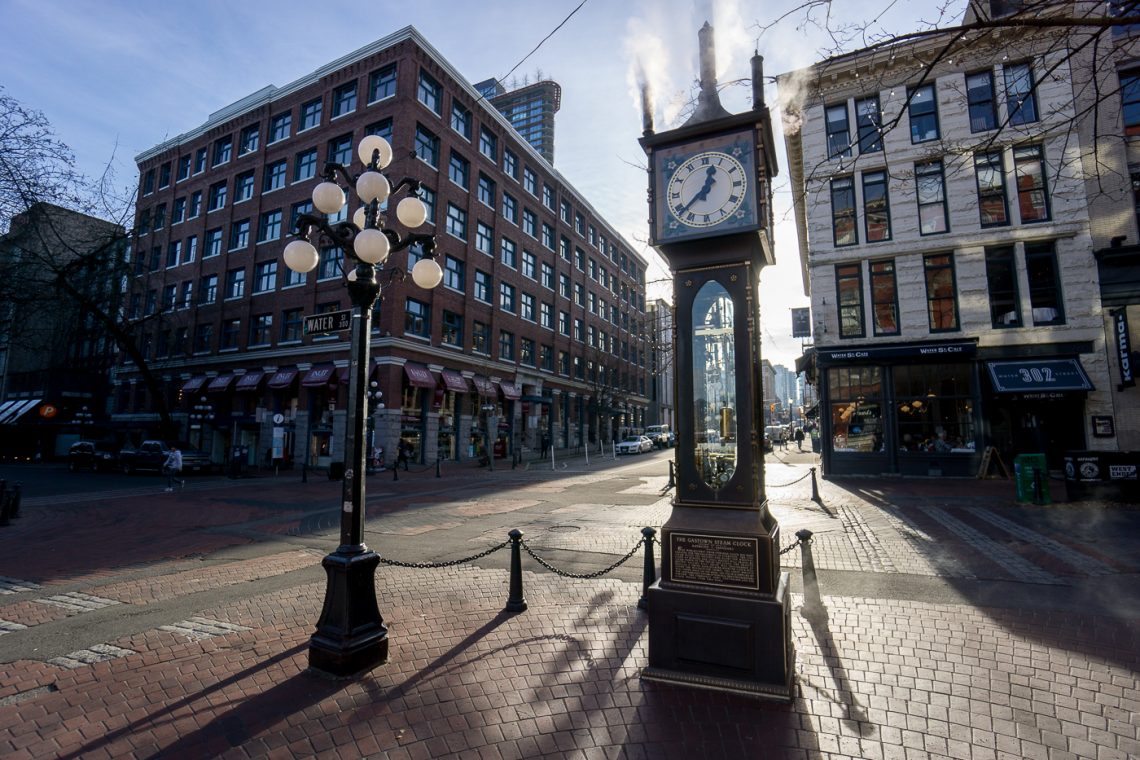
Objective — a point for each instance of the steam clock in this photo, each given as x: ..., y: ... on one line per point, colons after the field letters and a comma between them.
x: 719, y: 616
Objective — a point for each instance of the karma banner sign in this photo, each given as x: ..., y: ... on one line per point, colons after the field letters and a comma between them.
x: 1123, y: 348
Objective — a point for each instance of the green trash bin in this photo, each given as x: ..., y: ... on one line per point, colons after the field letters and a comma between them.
x: 1031, y: 475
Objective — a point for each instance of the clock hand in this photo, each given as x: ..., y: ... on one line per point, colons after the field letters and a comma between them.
x: 703, y: 192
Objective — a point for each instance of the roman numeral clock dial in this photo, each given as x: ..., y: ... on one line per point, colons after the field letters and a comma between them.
x: 705, y: 188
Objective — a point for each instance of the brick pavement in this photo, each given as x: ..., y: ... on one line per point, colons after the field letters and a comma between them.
x: 876, y: 677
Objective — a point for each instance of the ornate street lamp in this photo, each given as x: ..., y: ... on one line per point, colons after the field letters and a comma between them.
x: 351, y: 636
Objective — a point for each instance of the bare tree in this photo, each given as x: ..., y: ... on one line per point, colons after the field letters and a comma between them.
x: 64, y: 255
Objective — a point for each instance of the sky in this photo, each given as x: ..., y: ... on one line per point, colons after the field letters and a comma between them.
x: 117, y: 77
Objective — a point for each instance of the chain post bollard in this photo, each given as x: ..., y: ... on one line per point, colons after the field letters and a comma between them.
x: 1038, y: 491
x: 437, y: 473
x: 516, y: 602
x: 649, y: 576
x: 16, y: 493
x: 814, y: 490
x: 672, y: 476
x: 396, y: 471
x: 304, y: 472
x: 813, y: 604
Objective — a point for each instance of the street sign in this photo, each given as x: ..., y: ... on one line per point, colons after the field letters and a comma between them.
x: 801, y: 323
x: 330, y: 321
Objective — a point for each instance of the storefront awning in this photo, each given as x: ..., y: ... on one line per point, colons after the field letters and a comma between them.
x: 318, y: 376
x: 220, y: 383
x: 194, y: 384
x: 485, y: 387
x: 455, y: 381
x: 282, y: 378
x: 419, y: 375
x: 1035, y: 376
x: 14, y: 410
x: 511, y: 391
x: 249, y: 381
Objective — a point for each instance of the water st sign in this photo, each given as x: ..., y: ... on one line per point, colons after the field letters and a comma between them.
x: 330, y: 321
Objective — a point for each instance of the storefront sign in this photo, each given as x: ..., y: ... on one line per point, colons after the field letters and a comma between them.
x: 801, y: 323
x: 1103, y: 426
x: 1123, y: 348
x: 1039, y: 376
x: 875, y: 353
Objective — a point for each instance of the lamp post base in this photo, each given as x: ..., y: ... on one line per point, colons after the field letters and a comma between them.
x: 351, y: 636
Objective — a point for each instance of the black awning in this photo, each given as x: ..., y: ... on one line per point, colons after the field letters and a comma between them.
x: 1034, y: 376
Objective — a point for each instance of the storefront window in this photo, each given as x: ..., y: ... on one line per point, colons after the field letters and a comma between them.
x: 934, y: 406
x: 856, y: 409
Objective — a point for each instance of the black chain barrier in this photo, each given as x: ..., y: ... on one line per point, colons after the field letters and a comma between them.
x: 792, y: 483
x: 584, y: 576
x: 793, y: 546
x: 452, y: 563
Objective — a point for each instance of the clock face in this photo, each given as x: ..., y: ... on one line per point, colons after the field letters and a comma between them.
x: 705, y: 188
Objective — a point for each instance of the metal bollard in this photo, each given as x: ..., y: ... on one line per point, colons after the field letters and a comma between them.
x: 813, y: 604
x: 672, y: 476
x: 814, y: 491
x: 14, y: 510
x: 649, y: 575
x: 437, y: 461
x: 516, y: 602
x: 396, y: 471
x: 305, y: 472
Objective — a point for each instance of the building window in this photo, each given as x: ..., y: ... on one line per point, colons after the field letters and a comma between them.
x: 417, y: 318
x: 547, y: 276
x: 508, y: 253
x: 526, y: 301
x: 203, y: 338
x: 884, y: 298
x: 1044, y: 284
x: 223, y: 150
x: 274, y: 176
x: 526, y: 352
x: 482, y: 286
x: 486, y: 190
x: 213, y: 246
x: 454, y: 273
x: 159, y: 216
x: 280, y: 126
x: 332, y: 264
x: 506, y: 345
x: 231, y: 329
x: 530, y: 181
x: 173, y: 253
x: 1020, y: 97
x: 480, y: 337
x: 340, y: 150
x: 344, y: 99
x: 265, y: 277
x: 510, y: 163
x: 876, y: 207
x: 183, y: 168
x: 547, y: 236
x: 507, y: 297
x: 923, y: 112
x: 1001, y: 277
x: 461, y: 120
x: 548, y: 196
x: 243, y: 187
x: 990, y: 173
x: 164, y: 176
x: 217, y: 196
x: 427, y: 195
x: 261, y: 330
x: 546, y: 315
x: 191, y: 249
x: 296, y: 210
x: 530, y: 265
x: 382, y: 83
x: 199, y: 160
x: 869, y: 120
x: 291, y: 325
x: 430, y: 93
x: 178, y: 213
x: 148, y: 182
x: 843, y: 211
x: 838, y: 132
x: 1032, y: 195
x: 529, y: 222
x: 459, y: 170
x: 452, y: 334
x: 269, y: 228
x: 935, y: 407
x: 250, y: 139
x: 941, y: 293
x: 849, y: 292
x: 564, y: 363
x: 1136, y: 197
x: 239, y: 234
x: 546, y: 358
x: 310, y: 114
x: 564, y: 285
x: 235, y: 283
x: 195, y: 204
x: 1130, y: 101
x: 510, y: 209
x: 305, y: 165
x: 488, y: 144
x: 931, y: 191
x: 856, y: 396
x: 980, y: 100
x: 456, y: 223
x: 427, y: 146
x: 483, y: 238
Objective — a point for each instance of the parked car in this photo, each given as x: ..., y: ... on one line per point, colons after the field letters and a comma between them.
x: 661, y: 436
x: 97, y: 457
x: 151, y: 455
x: 634, y: 444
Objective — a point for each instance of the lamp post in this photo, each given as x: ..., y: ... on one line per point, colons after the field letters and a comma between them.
x: 374, y: 396
x: 351, y: 636
x: 200, y: 414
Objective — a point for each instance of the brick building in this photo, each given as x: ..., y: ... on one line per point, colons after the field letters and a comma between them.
x: 536, y: 283
x: 947, y: 233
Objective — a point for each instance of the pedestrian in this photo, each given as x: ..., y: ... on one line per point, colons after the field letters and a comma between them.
x: 799, y: 436
x: 172, y: 468
x: 403, y: 453
x: 783, y: 440
x: 545, y: 445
